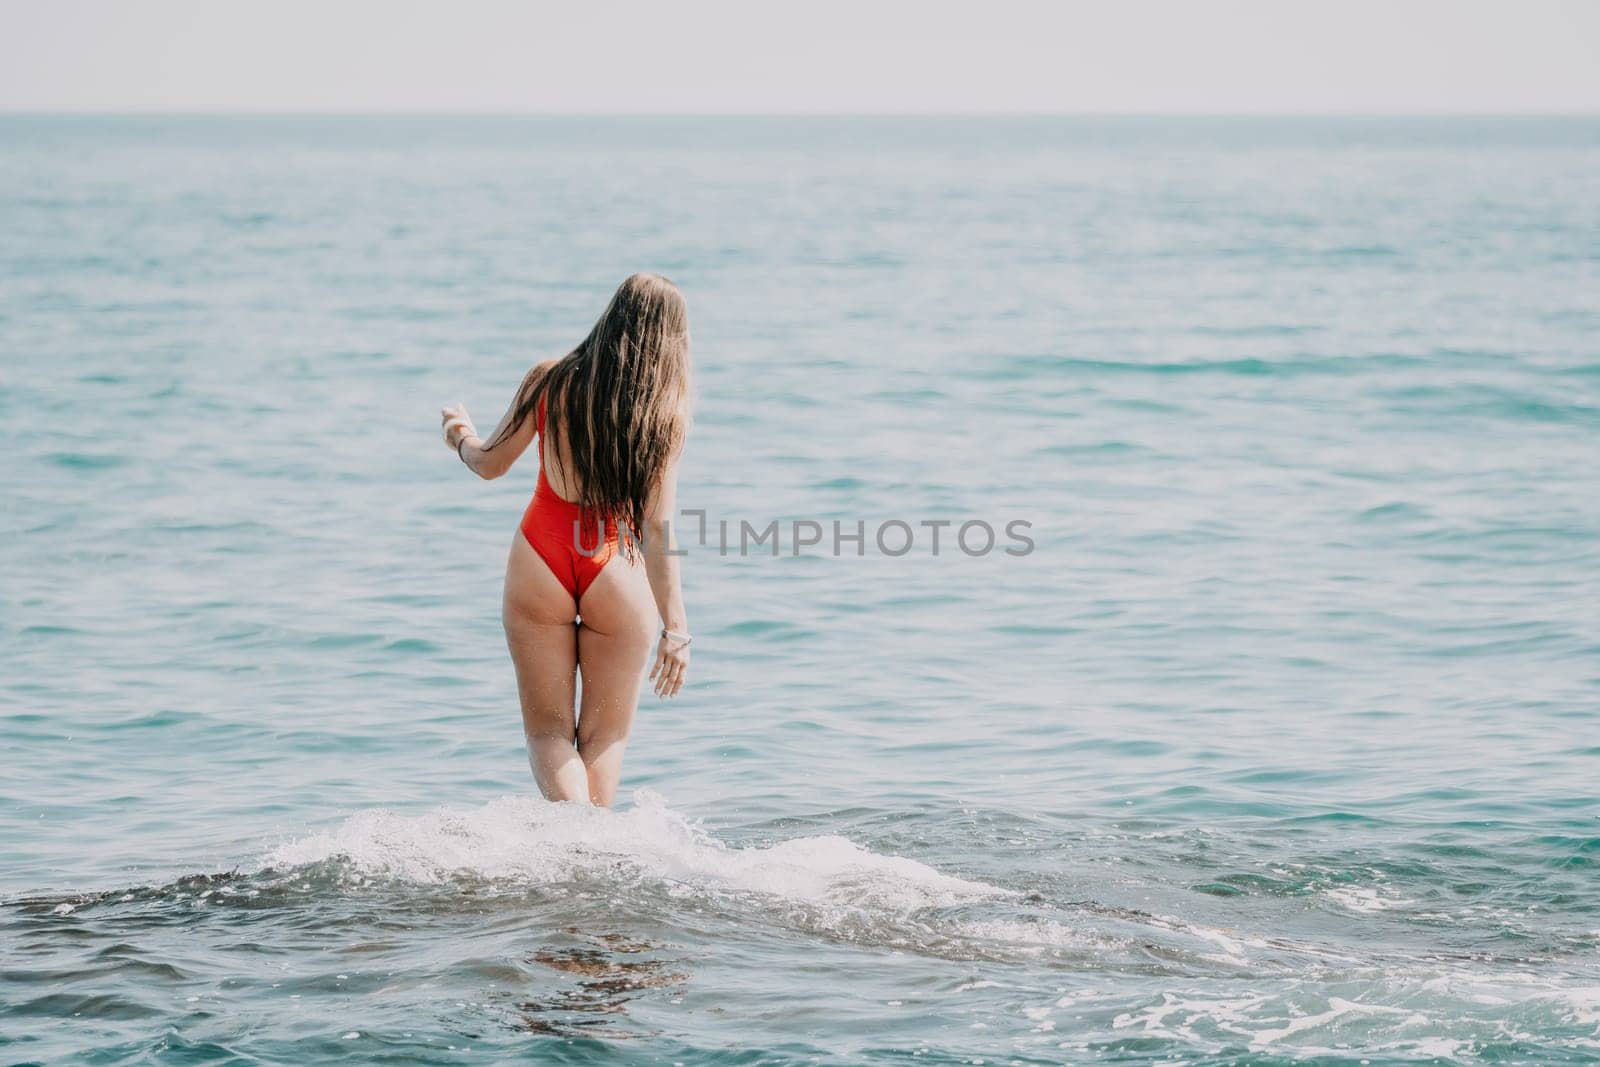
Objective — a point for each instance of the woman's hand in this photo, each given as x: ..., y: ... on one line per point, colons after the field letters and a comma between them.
x: 457, y: 424
x: 672, y: 662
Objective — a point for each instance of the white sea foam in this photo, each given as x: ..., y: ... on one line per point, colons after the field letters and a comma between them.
x: 528, y: 841
x: 1582, y: 1005
x: 1365, y: 899
x: 1338, y: 1008
x: 1031, y: 937
x: 1409, y: 1014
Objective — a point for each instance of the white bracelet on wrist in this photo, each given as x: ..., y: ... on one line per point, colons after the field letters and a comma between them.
x: 682, y: 639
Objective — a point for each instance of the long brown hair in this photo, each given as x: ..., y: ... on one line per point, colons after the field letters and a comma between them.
x: 617, y: 406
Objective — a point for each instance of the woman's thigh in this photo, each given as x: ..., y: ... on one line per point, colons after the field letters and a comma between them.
x: 538, y: 615
x: 618, y: 632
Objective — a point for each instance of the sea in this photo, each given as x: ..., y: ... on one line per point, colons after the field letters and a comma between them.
x: 1145, y: 577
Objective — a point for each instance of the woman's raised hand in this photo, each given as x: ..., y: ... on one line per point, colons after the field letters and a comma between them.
x: 457, y: 424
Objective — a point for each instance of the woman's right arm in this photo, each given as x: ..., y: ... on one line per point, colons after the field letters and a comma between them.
x: 493, y: 462
x: 661, y: 567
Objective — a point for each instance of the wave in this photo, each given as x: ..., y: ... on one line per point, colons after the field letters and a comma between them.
x: 825, y: 885
x: 573, y: 865
x: 574, y: 862
x: 520, y: 842
x: 564, y: 918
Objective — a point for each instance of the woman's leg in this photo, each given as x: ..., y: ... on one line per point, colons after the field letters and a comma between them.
x: 538, y: 614
x: 619, y: 631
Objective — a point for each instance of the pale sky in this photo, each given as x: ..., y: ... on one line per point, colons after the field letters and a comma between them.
x: 703, y: 56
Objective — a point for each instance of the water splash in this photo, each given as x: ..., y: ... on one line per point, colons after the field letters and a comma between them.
x: 520, y: 842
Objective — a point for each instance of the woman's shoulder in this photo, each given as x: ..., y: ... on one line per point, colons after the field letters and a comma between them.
x: 538, y: 373
x: 533, y: 383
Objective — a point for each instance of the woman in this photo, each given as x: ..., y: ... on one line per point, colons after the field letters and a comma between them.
x: 592, y: 566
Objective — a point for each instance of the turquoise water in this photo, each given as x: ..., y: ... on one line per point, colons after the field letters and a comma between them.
x: 1282, y: 744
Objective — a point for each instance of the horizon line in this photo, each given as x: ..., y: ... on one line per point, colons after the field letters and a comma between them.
x: 779, y: 114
